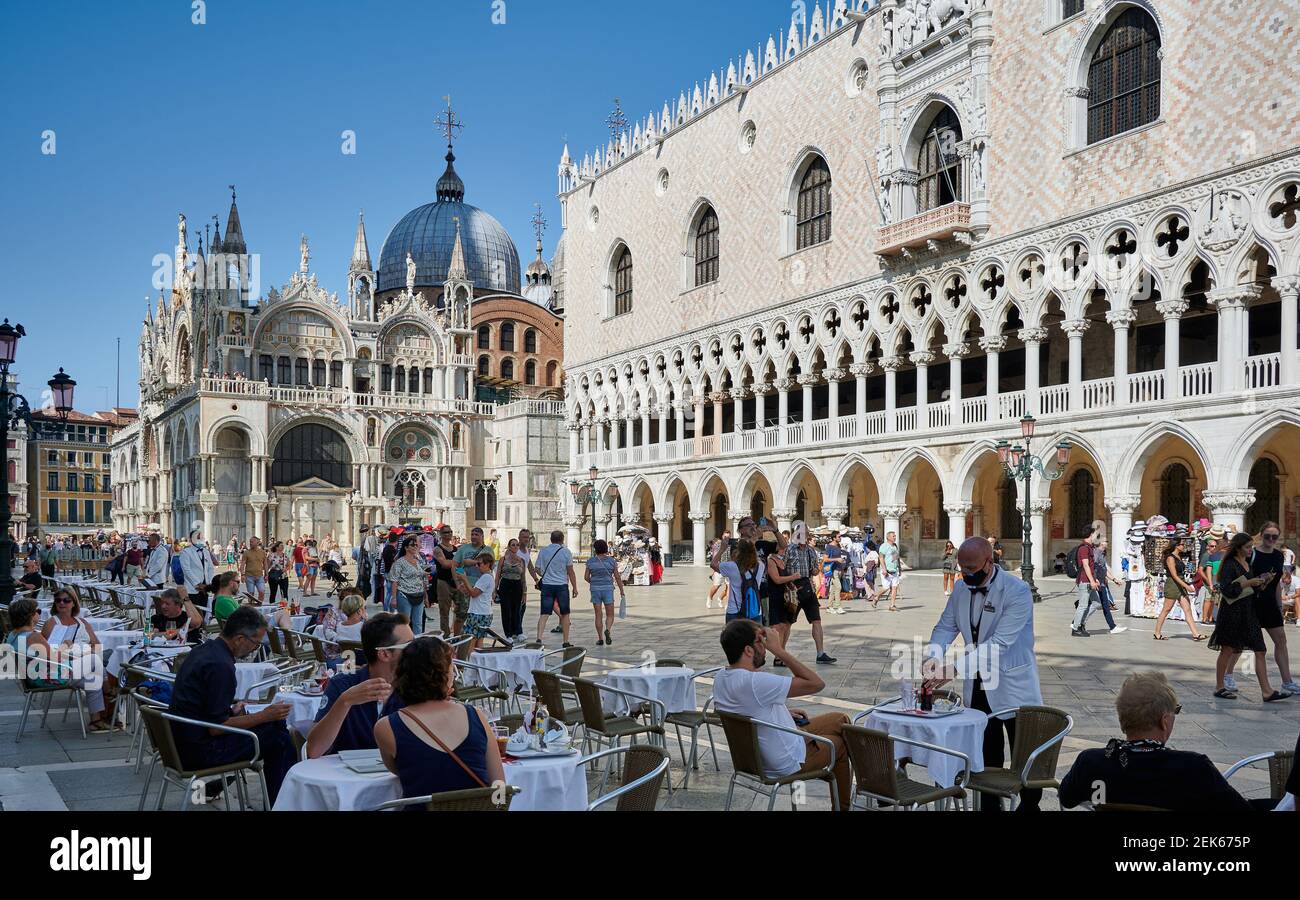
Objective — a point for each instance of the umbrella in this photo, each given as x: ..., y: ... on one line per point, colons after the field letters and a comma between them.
x: 634, y: 529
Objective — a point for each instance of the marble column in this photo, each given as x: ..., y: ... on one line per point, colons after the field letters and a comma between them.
x: 892, y: 516
x: 645, y: 427
x: 573, y: 445
x: 1229, y: 507
x: 1074, y: 330
x: 738, y: 397
x: 664, y: 529
x: 807, y: 382
x: 835, y: 516
x: 1032, y: 338
x: 992, y: 347
x: 1232, y: 303
x: 718, y: 398
x: 922, y: 360
x: 891, y: 365
x: 699, y: 544
x: 1038, y: 510
x: 957, y: 521
x: 1121, y: 321
x: 1121, y: 507
x: 760, y: 406
x: 573, y: 534
x: 783, y: 406
x: 955, y: 353
x: 860, y: 372
x: 784, y: 518
x: 1172, y: 311
x: 1289, y: 287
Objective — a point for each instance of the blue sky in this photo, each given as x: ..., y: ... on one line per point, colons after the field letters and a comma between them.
x: 154, y: 115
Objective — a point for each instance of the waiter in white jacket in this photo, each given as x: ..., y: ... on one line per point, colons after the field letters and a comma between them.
x: 994, y: 613
x: 196, y: 565
x: 158, y: 564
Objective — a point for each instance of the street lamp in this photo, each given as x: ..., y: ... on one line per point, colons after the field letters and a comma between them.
x: 15, y: 411
x: 400, y: 508
x: 1020, y: 463
x: 583, y: 491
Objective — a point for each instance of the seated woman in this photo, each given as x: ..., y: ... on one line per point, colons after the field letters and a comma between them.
x: 435, y: 744
x: 1142, y: 770
x: 224, y: 587
x: 175, y: 615
x: 64, y: 630
x: 345, y: 623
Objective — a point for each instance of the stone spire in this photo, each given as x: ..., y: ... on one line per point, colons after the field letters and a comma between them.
x: 360, y: 248
x: 458, y: 271
x: 233, y: 242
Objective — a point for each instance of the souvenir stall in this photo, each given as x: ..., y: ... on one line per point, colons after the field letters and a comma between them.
x: 632, y: 550
x: 1147, y: 543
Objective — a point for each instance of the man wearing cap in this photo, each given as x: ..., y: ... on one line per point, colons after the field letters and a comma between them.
x: 466, y: 561
x: 444, y: 581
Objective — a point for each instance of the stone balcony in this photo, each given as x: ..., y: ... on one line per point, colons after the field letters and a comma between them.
x: 942, y: 224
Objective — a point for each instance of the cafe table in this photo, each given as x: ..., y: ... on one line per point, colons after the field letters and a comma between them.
x: 674, y: 686
x: 516, y: 664
x: 961, y: 731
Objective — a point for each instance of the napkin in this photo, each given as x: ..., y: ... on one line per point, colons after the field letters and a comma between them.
x: 558, y: 737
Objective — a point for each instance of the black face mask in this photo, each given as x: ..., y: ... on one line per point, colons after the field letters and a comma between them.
x: 974, y: 579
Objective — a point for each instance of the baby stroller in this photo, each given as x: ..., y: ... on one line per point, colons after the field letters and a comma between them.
x: 335, y: 574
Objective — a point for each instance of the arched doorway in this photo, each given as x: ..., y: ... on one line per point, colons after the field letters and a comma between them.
x: 232, y: 476
x: 312, y: 476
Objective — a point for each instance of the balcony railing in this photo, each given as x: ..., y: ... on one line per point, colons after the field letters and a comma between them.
x: 1144, y: 388
x: 933, y: 225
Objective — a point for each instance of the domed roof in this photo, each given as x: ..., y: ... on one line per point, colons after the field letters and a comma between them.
x: 429, y: 233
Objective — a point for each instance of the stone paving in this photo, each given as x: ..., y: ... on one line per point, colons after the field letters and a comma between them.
x: 56, y: 769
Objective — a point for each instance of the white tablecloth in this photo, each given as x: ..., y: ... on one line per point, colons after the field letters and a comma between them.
x: 111, y: 640
x: 326, y: 785
x: 518, y: 664
x: 249, y: 674
x: 121, y: 655
x: 100, y: 623
x: 673, y: 686
x: 963, y: 732
x: 302, y: 716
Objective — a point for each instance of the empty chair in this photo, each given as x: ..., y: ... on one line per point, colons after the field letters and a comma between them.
x: 1280, y: 764
x: 876, y: 776
x: 488, y: 799
x: 644, y: 769
x: 1037, y: 747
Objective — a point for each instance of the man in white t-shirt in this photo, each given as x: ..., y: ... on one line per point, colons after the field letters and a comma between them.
x: 741, y: 688
x: 557, y: 583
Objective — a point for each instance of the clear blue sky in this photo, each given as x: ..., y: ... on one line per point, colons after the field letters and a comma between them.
x: 154, y: 115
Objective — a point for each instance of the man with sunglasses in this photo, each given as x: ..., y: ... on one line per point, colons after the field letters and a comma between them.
x: 1142, y: 770
x: 205, y: 691
x: 355, y: 701
x: 1267, y: 561
x: 443, y: 587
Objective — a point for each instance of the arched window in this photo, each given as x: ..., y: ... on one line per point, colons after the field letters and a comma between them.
x: 399, y: 386
x: 312, y: 451
x: 508, y: 337
x: 1124, y: 77
x: 623, y: 282
x: 530, y: 372
x: 485, y: 503
x: 1070, y: 8
x: 508, y: 369
x: 413, y: 381
x: 813, y: 218
x: 300, y: 372
x: 318, y: 372
x: 336, y: 373
x: 1176, y: 493
x: 265, y: 368
x: 484, y: 366
x: 938, y: 166
x: 386, y: 378
x: 1081, y: 503
x: 484, y: 337
x: 1267, y: 482
x: 428, y: 379
x: 530, y: 341
x: 706, y: 248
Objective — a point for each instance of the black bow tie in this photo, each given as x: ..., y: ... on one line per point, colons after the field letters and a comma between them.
x: 975, y: 592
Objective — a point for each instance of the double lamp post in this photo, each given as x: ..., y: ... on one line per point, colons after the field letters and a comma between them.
x: 1020, y: 465
x: 584, y: 491
x: 15, y: 412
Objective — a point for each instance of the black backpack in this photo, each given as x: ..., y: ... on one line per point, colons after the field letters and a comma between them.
x: 1072, y: 562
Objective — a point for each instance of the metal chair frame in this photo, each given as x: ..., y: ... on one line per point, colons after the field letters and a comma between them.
x: 893, y: 802
x: 760, y: 785
x: 657, y: 772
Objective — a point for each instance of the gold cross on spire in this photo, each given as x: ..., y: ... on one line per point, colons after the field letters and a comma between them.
x: 448, y: 124
x: 539, y: 222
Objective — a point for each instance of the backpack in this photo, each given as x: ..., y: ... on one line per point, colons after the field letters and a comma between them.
x: 748, y: 605
x: 1072, y: 563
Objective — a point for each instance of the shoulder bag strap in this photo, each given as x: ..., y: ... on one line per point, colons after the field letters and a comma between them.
x: 445, y: 749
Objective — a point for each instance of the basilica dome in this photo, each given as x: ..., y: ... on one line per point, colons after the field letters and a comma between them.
x: 429, y: 234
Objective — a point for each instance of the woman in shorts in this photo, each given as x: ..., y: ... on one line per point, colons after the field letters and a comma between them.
x: 602, y: 575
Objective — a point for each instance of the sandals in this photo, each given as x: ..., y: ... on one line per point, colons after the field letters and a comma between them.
x: 1199, y: 637
x: 1159, y: 637
x: 1276, y: 695
x: 1225, y: 694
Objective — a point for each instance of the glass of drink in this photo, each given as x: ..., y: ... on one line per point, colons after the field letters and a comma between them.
x: 322, y: 678
x: 503, y: 737
x: 908, y: 695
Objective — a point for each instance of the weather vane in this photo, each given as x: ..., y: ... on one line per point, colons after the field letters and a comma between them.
x: 539, y: 222
x: 232, y: 192
x: 616, y: 121
x: 448, y: 124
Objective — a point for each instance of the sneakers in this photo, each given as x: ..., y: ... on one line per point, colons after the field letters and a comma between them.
x: 1079, y: 632
x: 825, y: 659
x: 1291, y: 687
x: 1119, y: 629
x: 1229, y: 682
x: 557, y: 630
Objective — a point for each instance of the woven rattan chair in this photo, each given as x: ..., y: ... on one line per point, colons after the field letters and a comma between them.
x: 604, y: 730
x: 488, y: 799
x: 167, y: 754
x: 644, y: 768
x: 1126, y: 808
x: 478, y: 693
x: 1034, y: 753
x: 571, y: 661
x: 1280, y: 763
x: 742, y: 742
x: 694, y: 720
x: 876, y: 776
x: 76, y: 694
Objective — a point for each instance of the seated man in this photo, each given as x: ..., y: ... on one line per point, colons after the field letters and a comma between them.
x: 205, y: 690
x: 1141, y: 770
x: 175, y: 614
x: 741, y: 688
x: 31, y: 581
x: 355, y: 701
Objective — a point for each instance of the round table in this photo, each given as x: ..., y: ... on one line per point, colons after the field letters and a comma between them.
x: 302, y: 715
x: 111, y: 640
x: 517, y: 664
x: 249, y: 674
x: 326, y: 785
x: 674, y: 686
x: 121, y: 655
x: 963, y: 732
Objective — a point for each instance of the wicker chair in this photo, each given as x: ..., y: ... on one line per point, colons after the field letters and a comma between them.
x: 1039, y: 733
x: 1280, y: 763
x: 571, y: 666
x: 742, y: 741
x: 694, y: 720
x: 1126, y: 808
x: 477, y: 693
x: 644, y: 768
x: 609, y: 731
x: 76, y: 695
x: 473, y: 800
x: 876, y: 776
x: 159, y: 725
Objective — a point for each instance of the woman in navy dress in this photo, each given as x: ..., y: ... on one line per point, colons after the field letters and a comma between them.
x: 409, y: 739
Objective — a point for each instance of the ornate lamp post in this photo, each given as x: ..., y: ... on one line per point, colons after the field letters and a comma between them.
x: 15, y: 411
x: 400, y: 508
x: 1020, y: 464
x: 584, y: 491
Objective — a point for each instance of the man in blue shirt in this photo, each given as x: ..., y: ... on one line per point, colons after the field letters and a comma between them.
x: 355, y: 701
x: 205, y: 691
